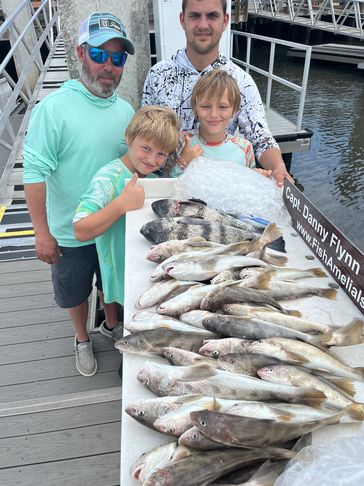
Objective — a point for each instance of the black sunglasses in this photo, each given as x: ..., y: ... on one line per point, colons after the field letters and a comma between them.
x: 100, y: 56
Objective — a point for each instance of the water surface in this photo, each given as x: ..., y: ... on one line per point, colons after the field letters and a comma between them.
x: 331, y: 173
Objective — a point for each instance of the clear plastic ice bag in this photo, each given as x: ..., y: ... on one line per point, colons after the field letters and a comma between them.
x: 233, y: 188
x: 338, y: 462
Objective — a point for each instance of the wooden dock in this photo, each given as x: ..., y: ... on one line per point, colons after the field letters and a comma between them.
x: 56, y: 426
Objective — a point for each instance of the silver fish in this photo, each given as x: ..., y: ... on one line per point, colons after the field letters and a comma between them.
x: 161, y: 291
x: 150, y: 342
x: 246, y: 432
x: 201, y: 469
x: 157, y: 458
x: 181, y: 380
x: 219, y: 295
x: 200, y: 269
x: 178, y: 421
x: 181, y: 357
x: 246, y: 363
x: 188, y: 300
x: 249, y: 310
x: 147, y: 411
x: 253, y: 328
x: 303, y: 354
x: 289, y: 290
x: 194, y: 439
x: 282, y: 273
x: 221, y: 347
x: 159, y: 253
x: 291, y: 375
x: 195, y: 317
x: 170, y: 324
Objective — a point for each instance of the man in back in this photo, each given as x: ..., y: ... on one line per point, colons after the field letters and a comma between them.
x: 72, y: 133
x: 170, y: 82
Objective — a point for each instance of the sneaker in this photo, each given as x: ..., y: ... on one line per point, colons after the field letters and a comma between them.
x: 115, y: 334
x: 86, y: 363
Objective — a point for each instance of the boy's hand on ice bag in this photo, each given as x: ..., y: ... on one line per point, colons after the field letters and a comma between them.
x: 132, y: 196
x: 189, y: 153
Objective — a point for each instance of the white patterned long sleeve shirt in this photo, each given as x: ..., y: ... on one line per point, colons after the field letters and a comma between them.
x: 170, y: 83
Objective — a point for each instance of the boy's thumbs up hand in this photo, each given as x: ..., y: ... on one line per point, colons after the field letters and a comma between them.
x: 189, y: 153
x: 132, y: 196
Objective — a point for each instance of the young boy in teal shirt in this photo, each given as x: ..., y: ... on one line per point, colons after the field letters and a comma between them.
x: 151, y: 136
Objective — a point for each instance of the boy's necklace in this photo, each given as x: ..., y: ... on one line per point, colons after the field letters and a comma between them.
x: 211, y: 144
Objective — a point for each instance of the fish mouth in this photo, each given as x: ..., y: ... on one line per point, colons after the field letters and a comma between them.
x: 137, y: 472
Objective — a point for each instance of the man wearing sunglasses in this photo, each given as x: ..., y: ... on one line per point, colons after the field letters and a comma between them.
x: 72, y: 133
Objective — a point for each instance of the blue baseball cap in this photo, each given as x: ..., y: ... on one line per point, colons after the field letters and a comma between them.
x: 99, y: 28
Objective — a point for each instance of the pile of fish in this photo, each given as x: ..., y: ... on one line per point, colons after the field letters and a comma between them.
x: 244, y: 377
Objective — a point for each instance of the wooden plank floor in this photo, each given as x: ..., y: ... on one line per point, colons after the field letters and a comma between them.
x: 56, y: 426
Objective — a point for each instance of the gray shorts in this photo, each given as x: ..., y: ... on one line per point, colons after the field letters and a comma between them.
x: 72, y: 275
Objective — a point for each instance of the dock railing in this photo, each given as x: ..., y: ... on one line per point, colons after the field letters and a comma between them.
x: 28, y: 30
x: 270, y: 75
x: 344, y: 17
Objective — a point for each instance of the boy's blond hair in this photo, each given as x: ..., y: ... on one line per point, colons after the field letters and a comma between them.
x: 156, y: 124
x: 213, y: 85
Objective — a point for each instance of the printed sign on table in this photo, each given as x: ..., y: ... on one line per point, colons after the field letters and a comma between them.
x: 343, y: 260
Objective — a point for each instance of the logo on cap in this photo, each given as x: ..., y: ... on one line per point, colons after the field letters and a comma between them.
x: 110, y: 24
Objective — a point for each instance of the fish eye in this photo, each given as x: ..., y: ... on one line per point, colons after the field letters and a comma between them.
x: 171, y: 355
x: 203, y: 423
x: 215, y: 353
x: 194, y: 436
x: 232, y: 361
x: 141, y: 413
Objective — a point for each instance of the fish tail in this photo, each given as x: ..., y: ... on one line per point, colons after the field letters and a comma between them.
x: 360, y: 372
x: 328, y: 293
x: 278, y: 261
x: 271, y: 233
x: 345, y: 384
x: 317, y: 272
x: 312, y: 397
x: 346, y: 335
x: 262, y: 282
x: 355, y: 411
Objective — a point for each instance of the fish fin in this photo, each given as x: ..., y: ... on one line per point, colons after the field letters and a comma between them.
x: 278, y: 261
x: 197, y: 373
x: 295, y: 313
x: 184, y: 399
x: 313, y: 398
x: 198, y: 220
x: 355, y: 411
x: 197, y: 241
x: 281, y: 452
x: 197, y: 200
x: 327, y: 293
x: 284, y: 418
x: 270, y: 234
x: 346, y: 335
x: 296, y: 358
x: 317, y: 272
x: 278, y: 245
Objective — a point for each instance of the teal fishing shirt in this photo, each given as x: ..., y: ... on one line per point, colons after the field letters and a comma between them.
x: 105, y: 186
x: 71, y: 135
